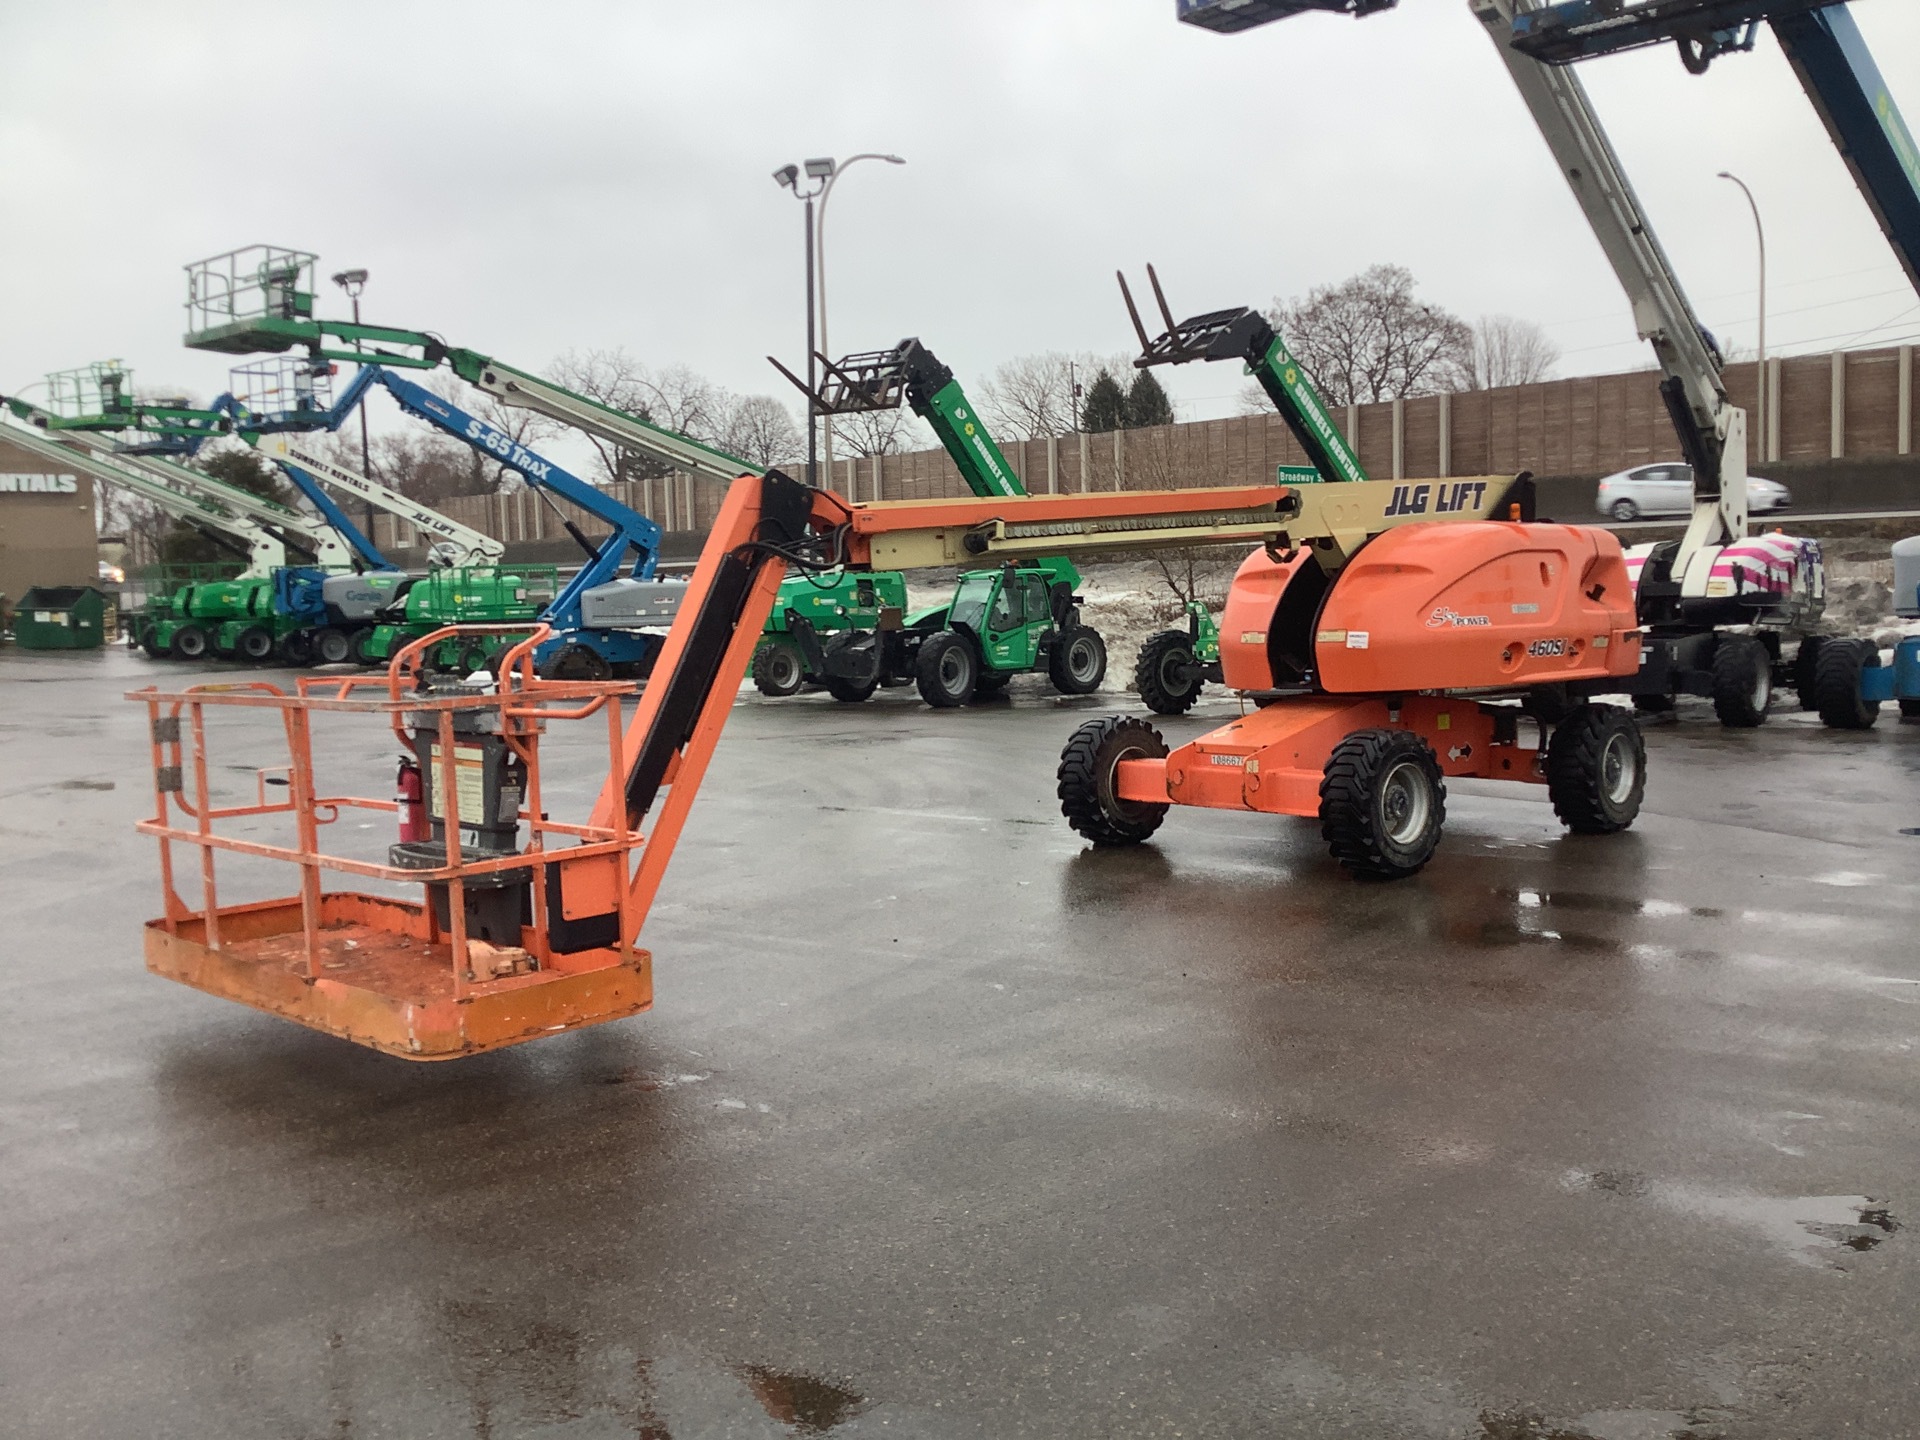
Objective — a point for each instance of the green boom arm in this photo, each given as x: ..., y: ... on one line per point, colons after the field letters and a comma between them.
x: 1244, y: 334
x: 882, y: 379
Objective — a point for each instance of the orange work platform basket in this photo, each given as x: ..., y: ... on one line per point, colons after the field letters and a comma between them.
x: 492, y: 955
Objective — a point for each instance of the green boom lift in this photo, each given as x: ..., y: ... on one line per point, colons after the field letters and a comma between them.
x: 1175, y: 665
x: 852, y: 635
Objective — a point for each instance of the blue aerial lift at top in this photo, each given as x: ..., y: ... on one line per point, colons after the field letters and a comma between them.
x: 1819, y: 37
x: 599, y: 617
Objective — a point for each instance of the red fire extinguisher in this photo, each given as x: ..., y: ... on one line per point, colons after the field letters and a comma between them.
x: 410, y: 795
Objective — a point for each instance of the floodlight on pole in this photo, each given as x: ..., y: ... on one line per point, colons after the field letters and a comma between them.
x: 1760, y: 417
x: 788, y: 177
x: 353, y: 282
x: 820, y: 257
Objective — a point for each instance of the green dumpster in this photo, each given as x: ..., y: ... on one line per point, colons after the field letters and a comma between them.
x: 60, y: 617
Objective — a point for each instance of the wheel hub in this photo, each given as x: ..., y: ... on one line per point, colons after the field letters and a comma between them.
x: 1619, y: 767
x: 1405, y: 802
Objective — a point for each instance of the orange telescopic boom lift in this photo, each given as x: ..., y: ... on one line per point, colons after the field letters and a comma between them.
x: 528, y: 925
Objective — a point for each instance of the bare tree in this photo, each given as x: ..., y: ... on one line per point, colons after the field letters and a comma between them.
x: 1369, y: 338
x: 1511, y: 351
x: 882, y: 432
x: 1030, y: 397
x: 681, y: 400
x: 617, y: 380
x: 760, y: 430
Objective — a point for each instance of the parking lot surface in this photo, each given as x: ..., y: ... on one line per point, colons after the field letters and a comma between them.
x: 945, y: 1126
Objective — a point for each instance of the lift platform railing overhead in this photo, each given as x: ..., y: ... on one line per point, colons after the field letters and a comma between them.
x: 260, y: 299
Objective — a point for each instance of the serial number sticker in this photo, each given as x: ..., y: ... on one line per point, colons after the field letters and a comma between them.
x: 1540, y: 648
x: 1358, y: 639
x: 1226, y: 760
x: 1330, y: 637
x: 1253, y: 637
x: 1526, y: 608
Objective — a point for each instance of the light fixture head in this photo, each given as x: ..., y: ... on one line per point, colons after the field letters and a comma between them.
x: 350, y: 280
x: 787, y: 175
x: 894, y: 159
x: 820, y: 169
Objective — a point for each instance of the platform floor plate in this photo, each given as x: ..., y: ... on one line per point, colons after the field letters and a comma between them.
x: 382, y: 983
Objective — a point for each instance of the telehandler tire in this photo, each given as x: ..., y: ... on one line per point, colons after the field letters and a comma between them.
x: 1742, y: 682
x: 946, y: 670
x: 1086, y: 774
x: 1383, y: 803
x: 190, y: 642
x: 1836, y: 685
x: 989, y: 683
x: 1597, y: 770
x: 1167, y: 676
x: 851, y: 692
x: 1077, y: 663
x: 778, y: 670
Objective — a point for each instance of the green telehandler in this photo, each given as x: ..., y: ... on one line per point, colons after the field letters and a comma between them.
x: 850, y: 631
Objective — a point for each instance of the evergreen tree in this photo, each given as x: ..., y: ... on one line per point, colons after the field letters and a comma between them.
x: 1105, y: 405
x: 1147, y: 402
x: 243, y: 469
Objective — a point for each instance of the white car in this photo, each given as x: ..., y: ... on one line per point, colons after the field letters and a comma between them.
x: 1667, y: 489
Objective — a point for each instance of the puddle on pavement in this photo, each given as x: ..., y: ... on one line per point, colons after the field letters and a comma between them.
x: 812, y: 1406
x: 1600, y: 1425
x: 1535, y: 899
x: 84, y: 785
x: 1807, y: 1229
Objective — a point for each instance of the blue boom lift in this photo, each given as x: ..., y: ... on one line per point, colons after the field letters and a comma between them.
x: 604, y: 623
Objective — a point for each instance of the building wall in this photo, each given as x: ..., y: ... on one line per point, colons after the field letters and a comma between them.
x: 47, y: 533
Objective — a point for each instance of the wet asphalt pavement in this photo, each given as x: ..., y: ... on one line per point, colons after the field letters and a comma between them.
x: 942, y: 1126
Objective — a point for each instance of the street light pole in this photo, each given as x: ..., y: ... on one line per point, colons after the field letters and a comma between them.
x: 1760, y: 390
x: 788, y: 177
x: 353, y: 282
x: 820, y: 248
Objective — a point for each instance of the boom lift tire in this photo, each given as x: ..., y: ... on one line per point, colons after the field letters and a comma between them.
x: 357, y: 643
x: 1382, y: 803
x: 1910, y: 709
x: 947, y: 669
x: 255, y: 645
x: 1086, y: 776
x: 334, y: 647
x: 778, y: 670
x: 190, y: 642
x: 1836, y: 685
x: 574, y: 662
x: 296, y: 648
x: 1742, y: 682
x: 1167, y: 676
x: 1806, y: 664
x: 851, y: 692
x: 1597, y: 770
x: 1653, y: 704
x: 1077, y: 663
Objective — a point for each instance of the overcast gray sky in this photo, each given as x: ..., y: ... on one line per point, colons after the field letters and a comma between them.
x: 526, y: 179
